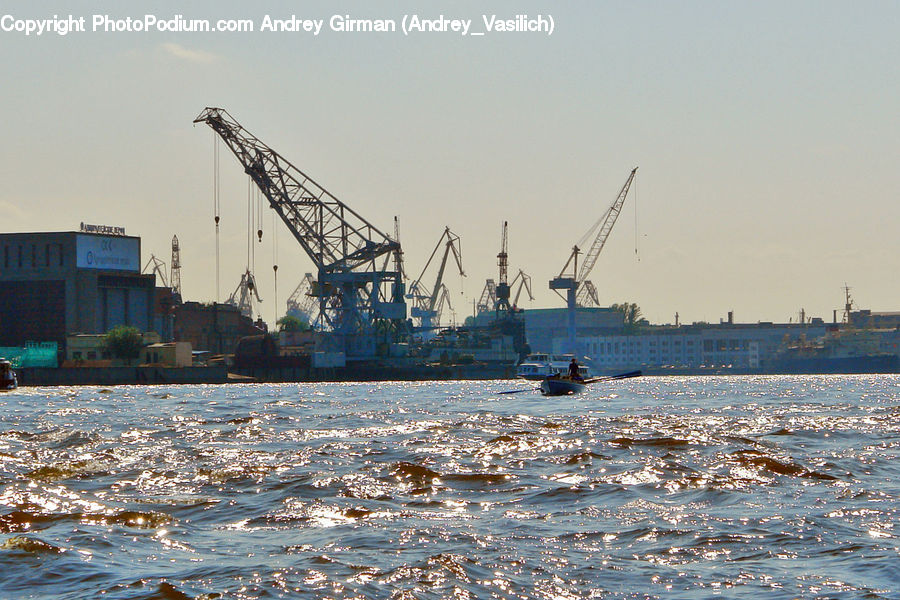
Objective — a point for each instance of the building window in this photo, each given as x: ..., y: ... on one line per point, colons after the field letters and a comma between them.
x: 60, y: 255
x: 20, y: 256
x: 33, y: 256
x: 47, y: 255
x: 5, y: 257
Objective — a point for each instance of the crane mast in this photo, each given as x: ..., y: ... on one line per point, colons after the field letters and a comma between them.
x: 579, y: 290
x: 360, y: 303
x: 175, y: 268
x: 502, y: 304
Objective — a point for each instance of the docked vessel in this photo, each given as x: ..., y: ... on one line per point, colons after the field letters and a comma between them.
x: 537, y: 367
x: 8, y: 379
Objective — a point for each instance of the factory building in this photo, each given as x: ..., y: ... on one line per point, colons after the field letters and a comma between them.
x: 739, y: 346
x: 57, y: 283
x: 545, y: 328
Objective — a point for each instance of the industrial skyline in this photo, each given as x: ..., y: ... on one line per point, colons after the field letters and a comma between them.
x: 765, y: 135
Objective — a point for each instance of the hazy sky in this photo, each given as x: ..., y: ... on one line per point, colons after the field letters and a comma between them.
x: 767, y: 136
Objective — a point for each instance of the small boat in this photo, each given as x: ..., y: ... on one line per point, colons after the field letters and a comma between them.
x: 556, y: 385
x: 8, y: 379
x: 561, y: 386
x: 536, y: 367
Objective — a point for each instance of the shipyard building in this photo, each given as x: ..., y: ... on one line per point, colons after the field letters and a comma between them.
x: 56, y: 283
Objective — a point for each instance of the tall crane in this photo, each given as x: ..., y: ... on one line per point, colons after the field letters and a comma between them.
x: 360, y: 302
x: 398, y: 253
x: 426, y: 303
x: 577, y: 279
x: 501, y: 307
x: 175, y: 267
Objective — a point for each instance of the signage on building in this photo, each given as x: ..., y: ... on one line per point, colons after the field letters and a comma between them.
x: 107, y: 253
x: 104, y: 229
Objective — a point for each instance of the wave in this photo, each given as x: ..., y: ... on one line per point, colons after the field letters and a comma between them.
x: 30, y: 544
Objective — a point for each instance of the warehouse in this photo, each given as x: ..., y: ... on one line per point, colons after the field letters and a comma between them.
x: 57, y: 283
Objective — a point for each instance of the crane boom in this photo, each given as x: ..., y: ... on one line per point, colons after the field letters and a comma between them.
x: 578, y: 289
x: 608, y: 220
x: 524, y: 282
x: 425, y: 302
x: 334, y: 236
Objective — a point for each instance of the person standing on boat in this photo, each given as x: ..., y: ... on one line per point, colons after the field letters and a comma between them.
x: 573, y: 370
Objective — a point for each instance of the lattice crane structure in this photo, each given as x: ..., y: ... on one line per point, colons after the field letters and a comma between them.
x: 175, y: 267
x: 428, y: 304
x: 361, y: 303
x: 303, y: 303
x: 575, y: 282
x: 488, y: 298
x: 501, y: 306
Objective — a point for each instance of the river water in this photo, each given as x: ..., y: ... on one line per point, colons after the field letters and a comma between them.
x: 678, y: 487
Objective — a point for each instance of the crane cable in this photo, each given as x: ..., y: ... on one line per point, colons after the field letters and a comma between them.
x: 275, y: 265
x: 637, y: 255
x: 216, y: 205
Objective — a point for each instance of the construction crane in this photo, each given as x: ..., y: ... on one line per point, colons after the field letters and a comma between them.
x: 159, y: 269
x: 524, y: 282
x: 426, y: 306
x: 303, y: 303
x: 175, y: 267
x: 243, y: 295
x: 501, y: 306
x: 577, y: 279
x: 360, y: 303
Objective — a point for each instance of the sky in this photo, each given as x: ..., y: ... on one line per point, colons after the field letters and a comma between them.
x: 766, y: 136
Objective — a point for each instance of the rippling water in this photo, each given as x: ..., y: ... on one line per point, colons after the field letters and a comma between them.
x: 737, y: 487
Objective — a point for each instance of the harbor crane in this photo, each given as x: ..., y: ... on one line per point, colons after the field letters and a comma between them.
x: 159, y: 269
x: 243, y: 294
x: 303, y: 303
x: 361, y: 303
x: 427, y: 305
x: 501, y: 306
x: 488, y: 298
x: 175, y: 270
x: 575, y: 282
x: 524, y: 282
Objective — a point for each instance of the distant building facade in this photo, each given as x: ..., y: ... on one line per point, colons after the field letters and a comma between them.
x: 730, y: 346
x: 545, y: 327
x: 215, y: 328
x: 56, y: 283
